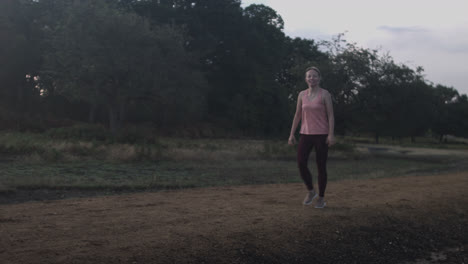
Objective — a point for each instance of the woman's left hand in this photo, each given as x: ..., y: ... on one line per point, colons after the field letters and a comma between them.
x: 330, y: 140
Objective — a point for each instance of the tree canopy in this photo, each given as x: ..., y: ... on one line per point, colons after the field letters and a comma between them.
x: 178, y: 63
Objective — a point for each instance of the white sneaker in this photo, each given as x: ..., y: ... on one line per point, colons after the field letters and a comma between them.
x: 320, y: 203
x: 310, y: 197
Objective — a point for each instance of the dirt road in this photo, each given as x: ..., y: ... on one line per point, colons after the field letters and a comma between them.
x: 392, y: 220
x: 410, y: 151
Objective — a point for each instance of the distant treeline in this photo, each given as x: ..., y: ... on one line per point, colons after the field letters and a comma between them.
x: 175, y: 64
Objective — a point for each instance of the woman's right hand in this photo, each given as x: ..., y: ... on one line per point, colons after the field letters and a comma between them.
x: 292, y: 140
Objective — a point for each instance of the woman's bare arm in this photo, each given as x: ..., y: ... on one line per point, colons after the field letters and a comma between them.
x: 331, y: 119
x: 296, y: 120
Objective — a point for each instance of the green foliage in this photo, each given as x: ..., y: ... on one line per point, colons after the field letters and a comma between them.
x: 100, y: 54
x: 344, y: 147
x: 89, y: 132
x: 451, y: 112
x: 52, y: 155
x: 373, y: 94
x: 279, y: 150
x: 20, y: 56
x: 214, y: 170
x: 137, y: 135
x: 177, y: 64
x: 20, y: 143
x: 86, y: 132
x: 11, y: 120
x: 40, y: 147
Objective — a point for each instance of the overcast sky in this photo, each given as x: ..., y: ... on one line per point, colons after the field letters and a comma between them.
x: 428, y: 33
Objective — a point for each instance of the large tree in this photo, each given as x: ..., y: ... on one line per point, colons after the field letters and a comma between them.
x: 347, y: 72
x: 19, y: 55
x: 451, y: 112
x: 101, y: 54
x: 373, y: 94
x: 241, y: 52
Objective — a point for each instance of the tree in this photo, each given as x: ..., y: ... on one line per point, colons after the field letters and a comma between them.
x: 241, y: 53
x: 461, y: 115
x: 409, y: 105
x: 349, y: 73
x: 451, y: 112
x: 374, y: 94
x: 299, y: 54
x: 19, y: 54
x: 255, y: 62
x: 104, y: 55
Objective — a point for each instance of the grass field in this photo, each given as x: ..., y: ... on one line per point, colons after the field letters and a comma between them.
x: 33, y: 162
x: 98, y: 175
x: 133, y: 219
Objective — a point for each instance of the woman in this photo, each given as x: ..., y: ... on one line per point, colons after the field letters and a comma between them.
x: 315, y: 112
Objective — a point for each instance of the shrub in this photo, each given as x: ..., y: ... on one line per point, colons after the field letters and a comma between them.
x: 345, y: 147
x: 20, y: 143
x: 87, y: 132
x: 276, y: 150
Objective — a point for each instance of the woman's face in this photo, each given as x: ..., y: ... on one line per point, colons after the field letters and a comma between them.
x: 312, y: 78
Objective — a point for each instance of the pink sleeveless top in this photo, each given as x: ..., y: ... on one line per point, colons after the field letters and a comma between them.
x: 314, y: 119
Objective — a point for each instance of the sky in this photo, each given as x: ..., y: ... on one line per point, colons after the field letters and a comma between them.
x: 428, y: 33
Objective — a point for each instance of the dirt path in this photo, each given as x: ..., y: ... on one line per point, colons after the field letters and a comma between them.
x: 410, y: 151
x: 370, y: 221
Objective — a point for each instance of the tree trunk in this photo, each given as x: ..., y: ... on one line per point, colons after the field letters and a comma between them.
x: 20, y: 105
x: 92, y: 113
x: 116, y: 116
x: 376, y: 138
x: 114, y: 122
x: 413, y: 139
x: 122, y: 110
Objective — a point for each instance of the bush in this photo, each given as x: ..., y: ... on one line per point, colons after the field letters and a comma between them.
x: 277, y: 150
x: 20, y: 143
x: 88, y: 132
x: 136, y: 135
x: 345, y: 147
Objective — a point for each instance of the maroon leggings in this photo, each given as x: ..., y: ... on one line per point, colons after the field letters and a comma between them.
x: 306, y: 143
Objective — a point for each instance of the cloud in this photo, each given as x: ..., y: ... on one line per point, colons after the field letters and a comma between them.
x: 428, y: 33
x: 449, y: 40
x: 402, y: 30
x: 442, y: 52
